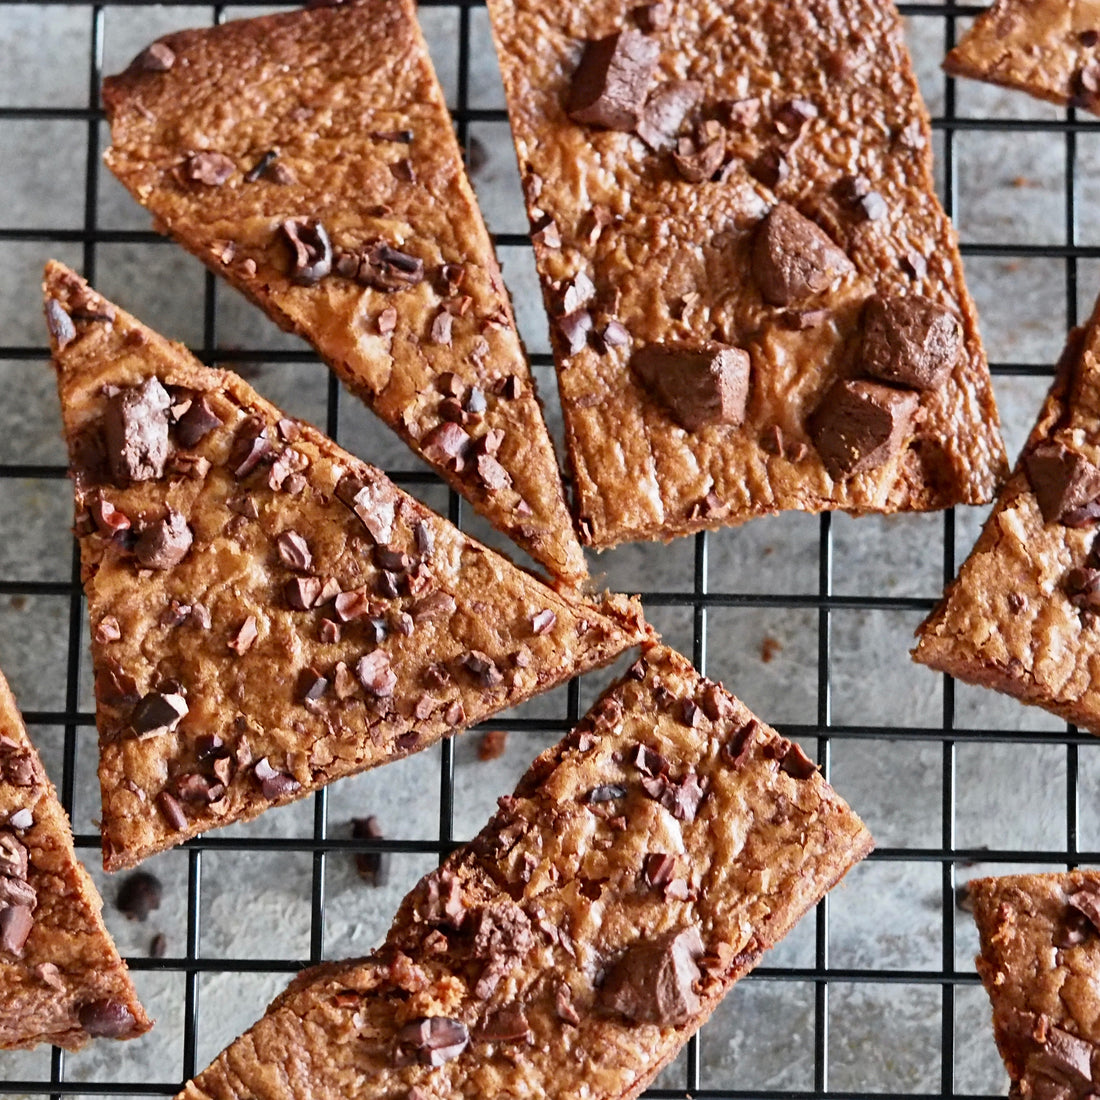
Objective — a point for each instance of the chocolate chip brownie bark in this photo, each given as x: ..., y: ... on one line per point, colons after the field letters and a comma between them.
x: 310, y: 160
x: 1021, y: 616
x: 269, y: 613
x: 1040, y: 965
x: 756, y: 301
x: 1045, y: 47
x: 640, y: 868
x: 61, y: 979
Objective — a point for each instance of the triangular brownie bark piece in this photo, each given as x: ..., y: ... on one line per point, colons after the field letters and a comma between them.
x: 1040, y: 965
x: 1021, y: 616
x: 757, y: 303
x: 1044, y: 47
x: 571, y: 949
x: 61, y: 978
x: 309, y: 158
x: 269, y: 613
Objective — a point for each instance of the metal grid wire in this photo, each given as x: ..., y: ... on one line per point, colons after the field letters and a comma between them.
x: 695, y: 596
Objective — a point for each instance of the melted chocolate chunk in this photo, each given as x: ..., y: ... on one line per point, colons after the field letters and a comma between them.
x: 60, y: 324
x: 794, y: 259
x: 199, y: 420
x: 665, y: 111
x: 652, y: 982
x: 699, y: 386
x: 1062, y: 480
x: 373, y: 867
x: 310, y: 250
x: 163, y: 543
x: 158, y: 713
x: 859, y: 426
x: 375, y: 674
x: 211, y: 169
x: 433, y: 1040
x: 612, y: 81
x: 136, y: 432
x: 139, y: 895
x: 910, y: 340
x: 106, y: 1019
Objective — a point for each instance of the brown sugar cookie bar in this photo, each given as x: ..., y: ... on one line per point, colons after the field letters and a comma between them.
x: 1021, y: 616
x: 640, y: 868
x: 1045, y: 47
x: 269, y: 613
x: 1040, y: 965
x: 757, y: 303
x: 61, y: 978
x: 309, y: 159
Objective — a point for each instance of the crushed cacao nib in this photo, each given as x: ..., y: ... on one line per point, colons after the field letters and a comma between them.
x: 1061, y: 479
x: 310, y: 250
x: 856, y: 193
x: 210, y: 168
x: 859, y: 426
x: 649, y: 762
x: 245, y: 636
x: 681, y: 797
x: 612, y: 80
x: 274, y: 784
x: 261, y: 166
x: 502, y: 936
x: 507, y: 1024
x: 653, y: 980
x: 374, y: 673
x: 136, y: 431
x: 353, y: 605
x: 373, y: 503
x: 910, y: 341
x: 158, y: 713
x: 156, y: 58
x: 607, y: 792
x: 250, y: 448
x: 294, y: 551
x: 138, y: 895
x: 715, y: 702
x: 171, y: 811
x: 576, y: 293
x: 328, y: 632
x: 196, y: 423
x: 106, y: 1019
x: 16, y: 765
x: 793, y: 258
x: 482, y: 668
x: 379, y: 265
x: 403, y: 170
x: 431, y: 1041
x: 575, y: 327
x: 665, y: 111
x: 373, y: 867
x: 796, y: 763
x: 699, y: 386
x: 387, y: 586
x: 658, y: 869
x: 60, y: 324
x: 613, y: 335
x: 302, y: 593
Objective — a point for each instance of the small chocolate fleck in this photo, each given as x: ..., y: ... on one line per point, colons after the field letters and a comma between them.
x: 261, y: 166
x: 138, y: 895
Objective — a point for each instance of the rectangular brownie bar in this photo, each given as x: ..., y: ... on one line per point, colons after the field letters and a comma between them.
x: 640, y: 868
x: 757, y: 301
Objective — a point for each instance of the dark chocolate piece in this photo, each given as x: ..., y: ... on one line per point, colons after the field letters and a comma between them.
x: 653, y: 981
x: 860, y: 425
x: 1061, y: 479
x: 136, y: 432
x: 910, y: 341
x: 794, y: 259
x: 699, y: 386
x: 612, y: 80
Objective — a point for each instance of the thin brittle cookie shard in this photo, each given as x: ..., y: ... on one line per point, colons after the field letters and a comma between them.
x: 1040, y: 965
x: 221, y: 541
x: 1020, y: 616
x: 776, y: 200
x: 570, y: 950
x: 61, y: 978
x: 309, y: 158
x: 1047, y: 48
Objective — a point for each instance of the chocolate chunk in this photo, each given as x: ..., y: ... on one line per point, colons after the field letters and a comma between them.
x: 1065, y: 1057
x: 1086, y: 901
x: 1082, y: 585
x: 910, y: 340
x: 860, y: 425
x: 294, y: 551
x: 21, y: 819
x: 697, y: 161
x: 790, y: 118
x: 610, y: 85
x: 172, y: 811
x: 212, y: 169
x: 856, y: 192
x: 250, y: 448
x: 434, y: 1039
x: 607, y: 792
x: 796, y: 763
x: 274, y: 784
x: 793, y: 258
x: 665, y: 111
x: 163, y: 543
x: 375, y: 674
x: 542, y: 622
x: 196, y: 423
x: 439, y: 900
x: 649, y: 762
x: 681, y: 797
x: 302, y: 593
x: 652, y: 17
x: 507, y: 1024
x: 156, y: 58
x: 442, y: 327
x: 435, y: 605
x: 158, y: 713
x: 658, y: 869
x: 311, y: 250
x: 770, y: 168
x: 492, y: 474
x: 575, y: 327
x: 60, y: 324
x: 312, y: 686
x: 16, y: 922
x: 379, y: 265
x: 14, y: 859
x: 373, y: 867
x: 139, y: 895
x: 373, y: 503
x: 652, y: 981
x: 699, y: 386
x: 482, y: 667
x: 106, y: 1019
x: 136, y: 431
x: 1061, y: 480
x: 16, y: 766
x: 245, y: 636
x: 353, y: 605
x: 447, y: 445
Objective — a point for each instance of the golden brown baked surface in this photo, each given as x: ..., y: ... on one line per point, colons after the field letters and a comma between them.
x: 640, y: 868
x: 412, y: 313
x: 1020, y: 616
x: 810, y: 108
x: 61, y: 978
x: 1044, y: 47
x: 1040, y: 965
x: 269, y: 613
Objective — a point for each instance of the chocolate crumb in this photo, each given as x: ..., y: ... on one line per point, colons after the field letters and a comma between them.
x: 492, y: 744
x: 373, y: 867
x: 158, y: 946
x: 138, y: 895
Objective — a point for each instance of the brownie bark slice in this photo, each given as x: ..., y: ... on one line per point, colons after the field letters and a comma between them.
x: 269, y: 613
x: 309, y: 159
x: 640, y: 868
x: 61, y: 978
x: 1047, y: 48
x: 757, y: 303
x: 1040, y: 965
x: 1021, y: 616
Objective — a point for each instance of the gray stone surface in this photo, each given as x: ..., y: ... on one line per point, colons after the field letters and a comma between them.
x: 883, y: 1037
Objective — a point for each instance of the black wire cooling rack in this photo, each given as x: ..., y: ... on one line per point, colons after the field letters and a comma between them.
x: 701, y: 600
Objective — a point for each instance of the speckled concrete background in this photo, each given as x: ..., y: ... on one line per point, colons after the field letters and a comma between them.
x: 883, y: 1036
